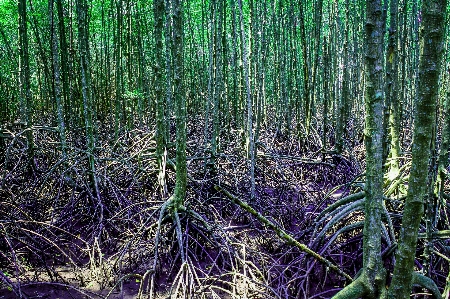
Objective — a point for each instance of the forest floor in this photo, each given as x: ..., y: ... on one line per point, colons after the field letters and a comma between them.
x: 58, y: 239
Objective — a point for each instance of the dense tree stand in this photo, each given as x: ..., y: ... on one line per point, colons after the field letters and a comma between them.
x: 224, y: 149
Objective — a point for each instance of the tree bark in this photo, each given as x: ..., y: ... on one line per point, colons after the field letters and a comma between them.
x: 392, y: 113
x: 86, y: 91
x: 158, y: 14
x: 57, y: 80
x: 431, y: 45
x: 250, y: 137
x: 180, y: 105
x: 24, y: 83
x: 371, y: 283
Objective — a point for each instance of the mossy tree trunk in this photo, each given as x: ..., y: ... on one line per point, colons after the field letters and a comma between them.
x: 442, y: 173
x: 158, y: 13
x: 86, y: 91
x: 169, y: 67
x: 373, y: 267
x: 326, y: 91
x: 180, y: 105
x: 250, y: 142
x: 371, y: 283
x: 391, y: 117
x: 431, y: 45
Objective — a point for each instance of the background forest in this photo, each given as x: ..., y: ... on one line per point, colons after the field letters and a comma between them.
x: 224, y: 149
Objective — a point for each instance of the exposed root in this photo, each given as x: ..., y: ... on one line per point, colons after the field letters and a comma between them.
x: 55, y: 229
x: 282, y: 234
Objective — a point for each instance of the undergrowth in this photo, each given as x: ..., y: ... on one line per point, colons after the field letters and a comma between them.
x: 55, y: 234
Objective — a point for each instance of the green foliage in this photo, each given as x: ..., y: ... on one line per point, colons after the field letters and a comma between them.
x: 8, y: 14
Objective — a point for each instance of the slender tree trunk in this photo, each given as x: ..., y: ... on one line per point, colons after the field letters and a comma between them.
x: 261, y: 74
x: 343, y: 101
x: 158, y: 13
x: 24, y: 83
x: 119, y: 101
x: 225, y: 113
x: 143, y: 81
x: 86, y: 90
x: 392, y: 114
x: 46, y: 88
x: 442, y: 172
x: 169, y: 59
x: 57, y: 79
x: 374, y: 86
x: 210, y: 89
x: 431, y: 45
x: 276, y: 21
x: 318, y: 15
x: 234, y: 64
x: 129, y: 42
x: 371, y: 283
x: 212, y: 97
x: 64, y: 59
x: 250, y: 140
x: 305, y: 66
x: 219, y: 85
x: 326, y: 90
x: 180, y: 104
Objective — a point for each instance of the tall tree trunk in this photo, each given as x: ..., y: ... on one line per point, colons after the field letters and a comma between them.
x: 392, y: 112
x: 442, y: 172
x: 210, y: 89
x: 180, y: 104
x: 64, y: 59
x: 261, y: 66
x: 158, y: 14
x: 371, y: 283
x: 431, y: 45
x: 57, y: 79
x: 211, y: 99
x: 318, y: 14
x: 169, y: 59
x: 326, y: 90
x: 343, y: 101
x: 373, y: 266
x: 46, y: 87
x: 305, y: 66
x: 26, y: 105
x: 86, y: 90
x: 250, y: 139
x: 234, y: 66
x: 119, y: 101
x: 219, y: 85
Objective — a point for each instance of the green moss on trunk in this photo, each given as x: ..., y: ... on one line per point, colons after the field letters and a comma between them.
x: 431, y: 32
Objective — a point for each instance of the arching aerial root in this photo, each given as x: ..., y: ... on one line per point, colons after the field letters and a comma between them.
x: 283, y: 235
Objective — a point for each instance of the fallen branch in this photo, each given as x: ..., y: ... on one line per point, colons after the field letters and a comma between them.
x: 282, y: 234
x: 294, y: 158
